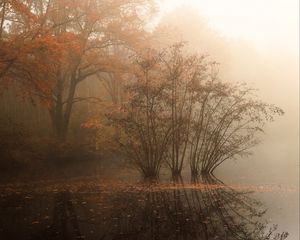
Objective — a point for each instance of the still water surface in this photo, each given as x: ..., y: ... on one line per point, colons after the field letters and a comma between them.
x: 123, y: 208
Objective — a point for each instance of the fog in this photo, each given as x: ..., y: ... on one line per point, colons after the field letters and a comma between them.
x: 149, y: 119
x: 255, y: 42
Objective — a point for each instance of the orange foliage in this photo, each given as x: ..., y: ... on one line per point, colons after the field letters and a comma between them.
x: 48, y: 50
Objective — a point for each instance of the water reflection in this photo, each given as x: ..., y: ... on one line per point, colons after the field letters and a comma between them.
x: 64, y: 222
x: 204, y: 209
x: 207, y: 209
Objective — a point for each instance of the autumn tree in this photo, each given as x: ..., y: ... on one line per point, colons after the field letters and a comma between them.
x: 16, y: 29
x: 73, y: 41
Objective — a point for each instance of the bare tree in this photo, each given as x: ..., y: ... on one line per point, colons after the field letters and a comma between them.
x: 144, y: 118
x: 227, y: 122
x: 180, y: 111
x: 181, y: 73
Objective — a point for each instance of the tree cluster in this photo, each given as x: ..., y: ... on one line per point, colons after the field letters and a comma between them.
x: 179, y: 112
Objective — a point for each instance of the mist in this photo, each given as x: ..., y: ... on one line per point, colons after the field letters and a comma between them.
x: 269, y: 63
x: 271, y: 68
x: 163, y: 119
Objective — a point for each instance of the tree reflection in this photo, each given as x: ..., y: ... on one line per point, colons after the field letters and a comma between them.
x: 64, y: 223
x: 204, y: 209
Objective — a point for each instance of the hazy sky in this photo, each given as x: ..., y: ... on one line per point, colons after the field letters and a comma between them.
x: 269, y: 24
x: 263, y: 50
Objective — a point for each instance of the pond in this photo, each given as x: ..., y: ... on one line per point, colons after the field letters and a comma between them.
x: 112, y: 208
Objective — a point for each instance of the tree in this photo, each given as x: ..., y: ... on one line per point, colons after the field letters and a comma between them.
x: 79, y: 36
x: 181, y: 73
x: 144, y: 118
x: 226, y: 123
x: 181, y: 111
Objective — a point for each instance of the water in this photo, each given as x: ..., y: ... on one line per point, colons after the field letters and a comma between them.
x: 112, y: 208
x: 275, y: 169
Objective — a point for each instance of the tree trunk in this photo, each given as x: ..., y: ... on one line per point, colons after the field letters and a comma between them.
x: 60, y: 114
x: 69, y: 105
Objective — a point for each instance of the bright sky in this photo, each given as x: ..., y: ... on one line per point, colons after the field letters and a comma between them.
x: 267, y: 23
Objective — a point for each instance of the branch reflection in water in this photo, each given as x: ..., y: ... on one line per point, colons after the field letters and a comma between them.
x: 203, y: 209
